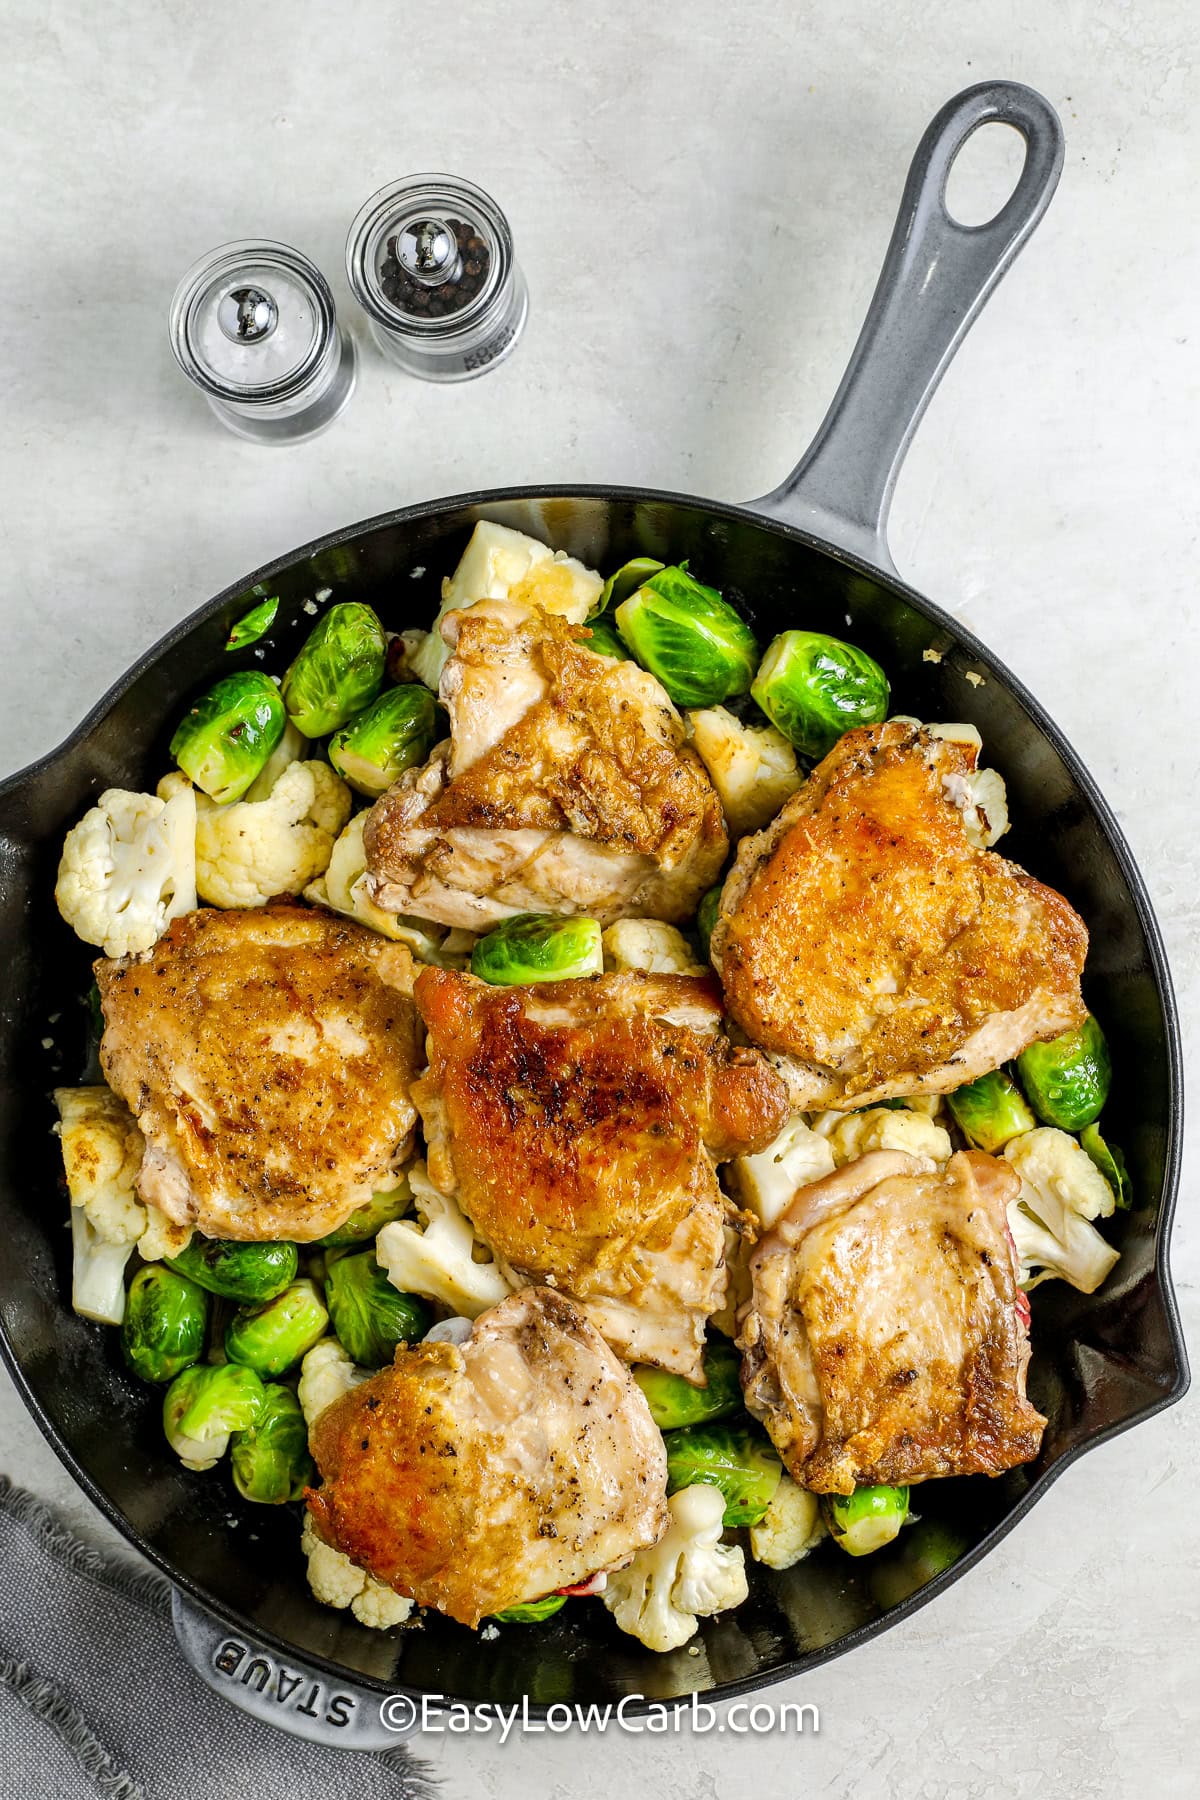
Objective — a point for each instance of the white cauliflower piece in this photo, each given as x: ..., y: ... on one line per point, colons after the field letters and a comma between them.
x: 752, y: 767
x: 102, y: 1156
x: 1062, y: 1191
x: 438, y: 1258
x: 162, y: 1236
x: 343, y: 889
x: 768, y: 1182
x: 985, y: 813
x: 851, y: 1135
x: 326, y: 1373
x: 649, y: 944
x: 128, y: 868
x: 501, y: 564
x: 292, y: 747
x: 790, y: 1527
x: 250, y: 851
x: 659, y: 1597
x: 336, y: 1581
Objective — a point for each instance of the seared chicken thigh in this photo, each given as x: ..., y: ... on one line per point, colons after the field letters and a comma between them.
x: 578, y: 1124
x: 473, y: 1478
x: 266, y: 1055
x: 886, y: 1336
x: 565, y: 787
x: 865, y: 939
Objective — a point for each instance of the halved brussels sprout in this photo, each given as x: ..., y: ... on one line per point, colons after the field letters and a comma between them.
x: 271, y: 1338
x: 990, y: 1111
x: 689, y: 638
x: 238, y: 1271
x: 253, y: 625
x: 270, y: 1458
x: 706, y: 917
x: 370, y: 1317
x: 166, y: 1317
x: 813, y: 688
x: 740, y: 1460
x: 393, y: 733
x: 1067, y: 1080
x: 204, y: 1405
x: 338, y: 671
x: 538, y: 947
x: 925, y: 1550
x: 225, y: 739
x: 604, y: 639
x: 368, y: 1220
x: 1111, y: 1163
x: 867, y: 1519
x: 675, y: 1402
x: 627, y: 580
x: 532, y: 1612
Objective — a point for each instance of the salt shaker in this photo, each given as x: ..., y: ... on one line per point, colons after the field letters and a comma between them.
x: 430, y: 260
x: 253, y: 325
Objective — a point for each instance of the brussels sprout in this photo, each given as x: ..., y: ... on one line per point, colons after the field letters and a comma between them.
x: 270, y: 1458
x: 533, y: 1611
x: 272, y: 1337
x: 166, y: 1317
x: 392, y: 734
x: 990, y: 1111
x: 368, y: 1220
x: 253, y: 625
x: 867, y: 1519
x: 927, y: 1549
x: 228, y: 735
x: 338, y: 670
x: 1067, y: 1080
x: 204, y: 1404
x: 538, y: 947
x: 706, y: 917
x: 674, y: 1402
x: 370, y: 1316
x: 813, y: 688
x: 687, y: 636
x: 627, y: 580
x: 604, y: 639
x: 739, y: 1459
x: 244, y: 1272
x: 1111, y: 1164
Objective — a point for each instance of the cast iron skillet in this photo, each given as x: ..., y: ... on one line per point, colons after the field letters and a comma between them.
x: 811, y: 552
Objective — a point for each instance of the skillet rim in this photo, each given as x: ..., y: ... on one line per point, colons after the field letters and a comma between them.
x: 720, y: 1692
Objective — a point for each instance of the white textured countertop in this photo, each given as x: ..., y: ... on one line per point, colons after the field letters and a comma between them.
x: 1052, y: 500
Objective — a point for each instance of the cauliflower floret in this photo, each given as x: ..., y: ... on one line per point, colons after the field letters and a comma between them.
x: 102, y: 1155
x: 336, y: 1581
x: 651, y: 945
x: 752, y: 767
x: 768, y: 1182
x: 789, y: 1528
x: 1062, y: 1190
x: 326, y: 1373
x: 659, y: 1596
x: 162, y: 1236
x: 851, y: 1135
x: 128, y: 868
x: 250, y: 851
x: 438, y: 1257
x: 342, y: 888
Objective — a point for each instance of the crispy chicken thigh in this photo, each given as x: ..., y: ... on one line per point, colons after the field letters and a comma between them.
x: 266, y: 1055
x: 578, y: 1124
x: 473, y: 1478
x: 886, y: 1336
x: 866, y: 940
x: 565, y: 787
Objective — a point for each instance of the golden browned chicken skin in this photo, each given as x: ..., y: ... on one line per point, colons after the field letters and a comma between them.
x: 473, y: 1478
x: 266, y: 1055
x: 566, y: 787
x: 865, y: 939
x: 578, y: 1124
x: 886, y: 1337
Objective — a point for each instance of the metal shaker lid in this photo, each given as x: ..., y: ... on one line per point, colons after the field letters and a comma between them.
x: 429, y: 255
x: 252, y: 321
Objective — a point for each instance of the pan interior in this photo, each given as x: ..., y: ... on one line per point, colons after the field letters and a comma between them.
x: 1099, y: 1363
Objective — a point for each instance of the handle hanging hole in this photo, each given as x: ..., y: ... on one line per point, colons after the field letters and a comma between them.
x: 984, y: 174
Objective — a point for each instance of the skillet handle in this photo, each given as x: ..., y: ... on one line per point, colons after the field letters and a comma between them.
x: 293, y: 1696
x: 936, y: 276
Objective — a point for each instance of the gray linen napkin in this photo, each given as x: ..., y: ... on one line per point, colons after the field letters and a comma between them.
x: 95, y: 1699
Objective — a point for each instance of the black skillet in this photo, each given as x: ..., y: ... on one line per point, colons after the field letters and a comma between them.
x: 811, y: 552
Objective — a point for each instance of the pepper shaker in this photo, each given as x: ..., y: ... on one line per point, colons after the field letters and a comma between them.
x: 430, y: 260
x: 253, y: 324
